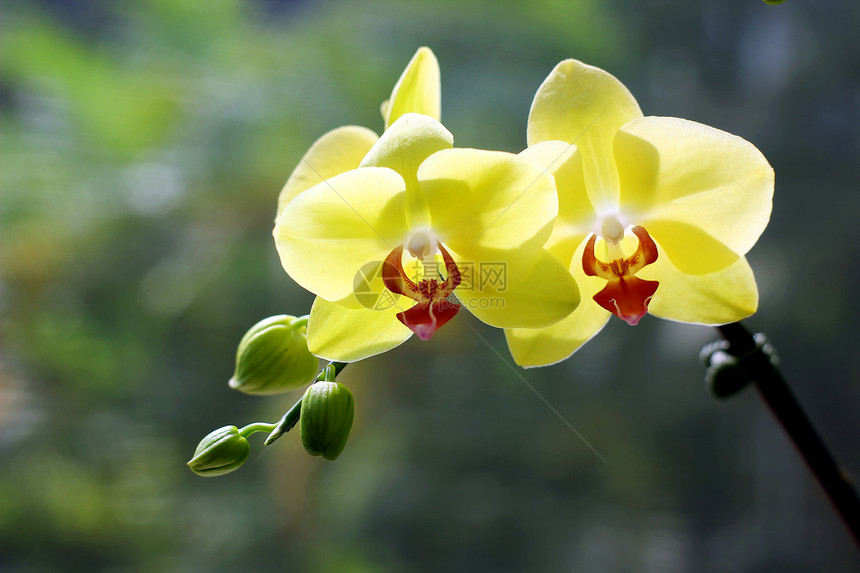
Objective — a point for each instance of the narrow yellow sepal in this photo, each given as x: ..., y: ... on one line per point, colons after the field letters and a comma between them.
x: 417, y: 91
x: 403, y: 147
x: 586, y: 106
x: 532, y: 347
x: 575, y: 212
x: 338, y: 151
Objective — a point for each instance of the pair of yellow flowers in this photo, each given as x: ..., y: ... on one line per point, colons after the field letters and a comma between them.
x: 606, y: 212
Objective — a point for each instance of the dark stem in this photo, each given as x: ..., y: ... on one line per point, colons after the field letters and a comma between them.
x: 772, y: 387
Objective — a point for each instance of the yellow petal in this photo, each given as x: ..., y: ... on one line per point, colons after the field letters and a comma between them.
x: 543, y: 346
x: 584, y: 105
x: 369, y: 290
x: 417, y: 91
x: 576, y: 214
x: 328, y: 233
x: 674, y: 169
x: 403, y: 147
x: 690, y: 249
x: 338, y: 151
x: 488, y: 200
x: 725, y: 296
x: 543, y: 297
x: 531, y: 347
x: 346, y: 334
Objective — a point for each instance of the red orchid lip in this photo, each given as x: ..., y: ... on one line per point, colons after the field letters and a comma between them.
x: 432, y: 308
x: 625, y: 295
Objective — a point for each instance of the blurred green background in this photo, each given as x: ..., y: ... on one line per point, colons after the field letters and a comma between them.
x: 142, y: 148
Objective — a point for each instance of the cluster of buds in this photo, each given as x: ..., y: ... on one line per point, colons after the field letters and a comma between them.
x: 273, y: 357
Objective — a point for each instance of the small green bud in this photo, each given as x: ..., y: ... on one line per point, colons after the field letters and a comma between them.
x: 326, y: 419
x: 219, y: 453
x: 273, y: 357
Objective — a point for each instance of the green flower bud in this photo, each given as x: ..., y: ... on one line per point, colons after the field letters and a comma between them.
x: 326, y: 419
x: 221, y: 452
x: 273, y: 357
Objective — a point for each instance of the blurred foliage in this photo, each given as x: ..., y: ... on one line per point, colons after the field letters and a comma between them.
x: 143, y: 145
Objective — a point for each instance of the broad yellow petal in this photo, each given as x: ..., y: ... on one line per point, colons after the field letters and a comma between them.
x: 690, y: 249
x: 338, y: 151
x: 674, y: 169
x: 544, y: 296
x: 328, y: 233
x: 725, y: 296
x: 544, y: 346
x: 346, y: 334
x: 417, y: 91
x: 584, y: 105
x: 483, y: 201
x: 403, y: 147
x: 576, y: 214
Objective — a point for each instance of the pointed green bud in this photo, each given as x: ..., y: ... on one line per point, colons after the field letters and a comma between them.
x: 273, y: 357
x: 326, y: 419
x: 219, y: 453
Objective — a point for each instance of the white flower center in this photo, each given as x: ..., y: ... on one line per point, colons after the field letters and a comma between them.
x: 422, y: 245
x: 612, y: 230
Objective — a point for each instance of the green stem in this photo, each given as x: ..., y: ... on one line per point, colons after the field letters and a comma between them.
x: 774, y: 391
x: 289, y: 420
x: 301, y: 321
x: 328, y: 374
x: 286, y: 423
x: 256, y: 427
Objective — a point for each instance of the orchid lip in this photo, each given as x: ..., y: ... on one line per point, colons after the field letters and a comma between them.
x: 625, y: 295
x: 432, y: 308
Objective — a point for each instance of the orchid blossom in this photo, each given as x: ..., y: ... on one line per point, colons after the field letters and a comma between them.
x: 655, y: 213
x: 415, y: 203
x: 357, y: 315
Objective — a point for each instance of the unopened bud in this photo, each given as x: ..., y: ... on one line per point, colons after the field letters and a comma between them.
x: 219, y: 453
x: 273, y: 357
x: 326, y: 419
x: 725, y: 375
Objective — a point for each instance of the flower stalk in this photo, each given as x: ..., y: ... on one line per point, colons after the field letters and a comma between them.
x: 773, y: 389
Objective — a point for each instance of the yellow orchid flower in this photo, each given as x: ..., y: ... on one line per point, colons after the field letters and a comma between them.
x: 672, y: 206
x: 342, y: 149
x: 412, y: 203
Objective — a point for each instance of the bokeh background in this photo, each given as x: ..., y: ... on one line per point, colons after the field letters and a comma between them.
x: 143, y: 147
